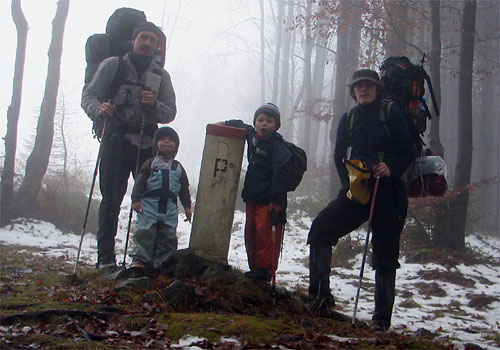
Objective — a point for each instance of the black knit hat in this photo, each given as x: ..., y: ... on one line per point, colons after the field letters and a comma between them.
x: 364, y: 74
x: 149, y: 26
x: 162, y: 132
x: 271, y: 110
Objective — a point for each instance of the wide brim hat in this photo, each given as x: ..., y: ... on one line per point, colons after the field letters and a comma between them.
x: 364, y: 74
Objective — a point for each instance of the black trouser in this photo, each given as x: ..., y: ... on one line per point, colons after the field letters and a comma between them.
x: 342, y: 216
x: 118, y: 160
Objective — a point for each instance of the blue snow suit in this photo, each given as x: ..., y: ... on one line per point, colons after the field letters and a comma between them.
x: 159, y: 183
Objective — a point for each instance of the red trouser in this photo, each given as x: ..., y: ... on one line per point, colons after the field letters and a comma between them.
x: 262, y: 252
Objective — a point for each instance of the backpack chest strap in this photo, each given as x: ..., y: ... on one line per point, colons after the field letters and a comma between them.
x: 164, y: 193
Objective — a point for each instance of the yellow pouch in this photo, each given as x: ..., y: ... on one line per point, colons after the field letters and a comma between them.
x: 359, y: 176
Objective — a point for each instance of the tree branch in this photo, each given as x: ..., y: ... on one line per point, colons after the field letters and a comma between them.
x: 393, y: 25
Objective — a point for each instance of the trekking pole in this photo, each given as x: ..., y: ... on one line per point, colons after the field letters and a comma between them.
x: 273, y: 237
x: 139, y: 149
x: 84, y: 225
x: 370, y: 217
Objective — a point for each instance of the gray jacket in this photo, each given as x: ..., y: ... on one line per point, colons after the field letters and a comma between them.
x: 127, y: 119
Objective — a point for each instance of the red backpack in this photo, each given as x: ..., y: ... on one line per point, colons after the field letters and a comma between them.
x: 404, y: 83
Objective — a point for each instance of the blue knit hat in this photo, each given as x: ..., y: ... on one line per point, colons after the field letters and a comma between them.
x: 271, y: 110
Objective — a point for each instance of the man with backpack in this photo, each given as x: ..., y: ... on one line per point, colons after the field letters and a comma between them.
x: 126, y: 99
x: 375, y: 153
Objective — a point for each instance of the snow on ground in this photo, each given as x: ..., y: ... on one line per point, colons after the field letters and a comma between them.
x: 433, y: 313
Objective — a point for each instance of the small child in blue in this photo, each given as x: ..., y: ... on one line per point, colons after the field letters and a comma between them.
x: 158, y: 184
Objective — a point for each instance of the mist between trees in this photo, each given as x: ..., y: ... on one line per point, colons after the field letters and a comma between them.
x: 305, y: 54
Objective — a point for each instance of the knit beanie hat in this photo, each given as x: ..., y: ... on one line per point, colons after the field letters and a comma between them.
x: 149, y: 26
x: 162, y: 132
x: 270, y: 109
x: 364, y: 74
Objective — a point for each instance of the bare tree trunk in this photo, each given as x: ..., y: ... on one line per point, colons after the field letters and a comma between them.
x: 37, y: 162
x: 397, y: 15
x: 440, y: 210
x: 339, y: 107
x: 459, y: 205
x: 317, y: 95
x: 63, y: 110
x: 354, y: 37
x: 292, y: 103
x: 277, y: 53
x: 7, y: 190
x: 284, y: 100
x: 307, y: 80
x: 262, y: 54
x: 486, y: 151
x: 435, y: 73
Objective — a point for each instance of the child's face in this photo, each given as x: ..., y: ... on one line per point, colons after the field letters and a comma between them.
x: 166, y: 146
x: 265, y: 125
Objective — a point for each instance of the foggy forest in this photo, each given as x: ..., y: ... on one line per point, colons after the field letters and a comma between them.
x: 306, y: 53
x: 298, y: 54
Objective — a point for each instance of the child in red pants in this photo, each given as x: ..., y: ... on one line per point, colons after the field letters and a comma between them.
x: 264, y: 190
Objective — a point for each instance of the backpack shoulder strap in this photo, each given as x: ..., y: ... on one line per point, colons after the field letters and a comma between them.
x: 385, y: 113
x: 175, y: 165
x: 118, y: 78
x: 350, y: 122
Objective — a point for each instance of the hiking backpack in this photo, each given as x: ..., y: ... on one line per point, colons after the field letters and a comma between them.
x: 116, y: 42
x: 299, y: 165
x: 403, y: 83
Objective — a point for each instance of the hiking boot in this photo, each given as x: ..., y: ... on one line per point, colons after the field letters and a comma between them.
x: 138, y: 264
x: 321, y: 304
x: 258, y: 275
x: 380, y: 325
x: 109, y: 268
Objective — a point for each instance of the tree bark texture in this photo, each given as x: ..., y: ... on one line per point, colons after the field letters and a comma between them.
x: 37, y: 162
x: 485, y: 165
x: 397, y: 17
x: 277, y: 53
x: 464, y: 159
x: 7, y: 190
x: 305, y: 121
x: 339, y: 106
x: 284, y: 95
x: 440, y: 210
x: 435, y: 74
x: 262, y: 54
x: 354, y: 39
x: 316, y: 112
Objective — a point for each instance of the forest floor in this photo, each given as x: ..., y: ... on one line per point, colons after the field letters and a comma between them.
x: 444, y: 300
x: 42, y: 308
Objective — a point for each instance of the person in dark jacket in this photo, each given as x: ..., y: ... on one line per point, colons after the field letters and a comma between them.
x: 368, y: 138
x: 144, y: 98
x: 160, y: 181
x: 265, y: 190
